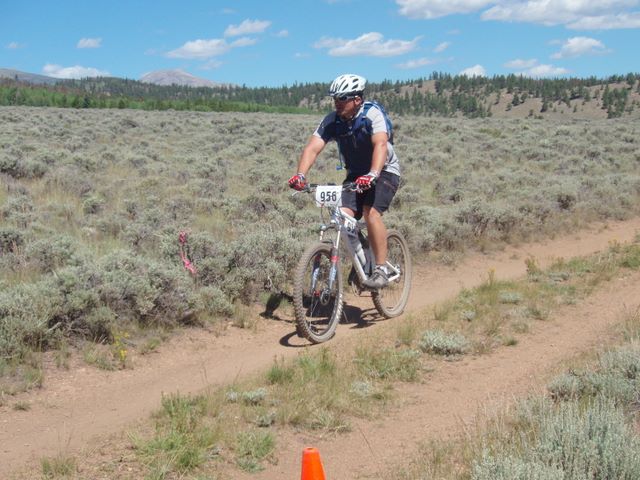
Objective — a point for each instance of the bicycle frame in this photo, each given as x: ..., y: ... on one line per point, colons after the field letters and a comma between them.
x: 346, y: 225
x: 319, y: 283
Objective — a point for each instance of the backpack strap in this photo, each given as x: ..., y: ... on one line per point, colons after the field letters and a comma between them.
x: 370, y: 103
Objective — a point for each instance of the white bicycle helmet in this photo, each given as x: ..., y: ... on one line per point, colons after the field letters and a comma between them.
x: 347, y: 84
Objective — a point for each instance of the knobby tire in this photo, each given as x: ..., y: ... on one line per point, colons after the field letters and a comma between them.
x: 392, y: 300
x: 317, y: 310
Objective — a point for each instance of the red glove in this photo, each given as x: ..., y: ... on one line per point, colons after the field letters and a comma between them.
x: 298, y: 182
x: 365, y: 182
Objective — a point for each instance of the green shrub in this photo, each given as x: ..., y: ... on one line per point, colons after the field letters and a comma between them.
x: 93, y: 204
x: 442, y: 343
x: 511, y: 298
x: 570, y: 442
x: 513, y: 468
x: 68, y: 178
x: 10, y: 240
x: 214, y: 301
x: 26, y: 313
x: 55, y: 252
x: 260, y: 260
x: 616, y: 376
x: 143, y: 290
x: 434, y: 228
x: 20, y: 210
x: 632, y: 258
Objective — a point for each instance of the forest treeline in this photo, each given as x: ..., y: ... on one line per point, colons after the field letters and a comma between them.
x: 443, y: 95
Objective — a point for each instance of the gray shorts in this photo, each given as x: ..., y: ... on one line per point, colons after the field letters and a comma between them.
x: 378, y: 197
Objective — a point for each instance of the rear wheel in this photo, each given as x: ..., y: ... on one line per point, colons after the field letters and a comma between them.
x: 391, y: 300
x: 317, y: 307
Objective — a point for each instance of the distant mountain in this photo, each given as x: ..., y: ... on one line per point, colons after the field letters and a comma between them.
x: 27, y: 77
x: 177, y: 77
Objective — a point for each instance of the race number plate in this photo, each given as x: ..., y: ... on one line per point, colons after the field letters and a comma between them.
x: 328, y: 195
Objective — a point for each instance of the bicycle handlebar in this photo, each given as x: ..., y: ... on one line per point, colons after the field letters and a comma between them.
x: 311, y: 187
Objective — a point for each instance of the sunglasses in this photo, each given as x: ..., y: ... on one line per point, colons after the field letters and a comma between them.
x: 344, y: 98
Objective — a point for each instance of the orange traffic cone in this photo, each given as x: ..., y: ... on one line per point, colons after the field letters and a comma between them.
x: 311, y: 465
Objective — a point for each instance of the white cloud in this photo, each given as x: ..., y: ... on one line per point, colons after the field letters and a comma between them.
x: 89, y: 43
x: 519, y: 64
x: 14, y: 45
x: 579, y: 46
x: 370, y: 44
x: 557, y: 12
x: 76, y: 71
x: 247, y: 27
x: 531, y: 68
x: 417, y: 63
x: 328, y: 42
x: 544, y: 71
x: 204, y: 49
x: 243, y: 42
x: 575, y: 14
x: 441, y: 47
x: 607, y: 22
x: 427, y: 9
x: 211, y: 65
x: 201, y: 49
x: 282, y: 34
x: 475, y: 71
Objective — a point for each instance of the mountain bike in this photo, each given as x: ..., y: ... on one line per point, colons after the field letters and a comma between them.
x: 318, y: 290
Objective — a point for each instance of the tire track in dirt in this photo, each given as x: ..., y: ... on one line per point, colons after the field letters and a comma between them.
x: 78, y: 407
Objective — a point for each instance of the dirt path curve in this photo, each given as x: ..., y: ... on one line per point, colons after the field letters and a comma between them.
x: 456, y: 392
x: 77, y: 407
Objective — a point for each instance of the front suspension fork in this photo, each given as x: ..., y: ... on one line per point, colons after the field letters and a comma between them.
x: 325, y: 294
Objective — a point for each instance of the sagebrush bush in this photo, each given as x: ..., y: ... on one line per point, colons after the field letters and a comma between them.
x: 571, y: 442
x: 143, y: 290
x: 26, y: 311
x: 79, y: 185
x: 616, y: 376
x: 443, y: 343
x: 513, y: 468
x: 55, y: 252
x: 214, y: 301
x: 19, y: 210
x: 11, y: 240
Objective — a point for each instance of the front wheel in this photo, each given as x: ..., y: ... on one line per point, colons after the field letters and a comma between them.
x: 317, y: 306
x: 391, y: 300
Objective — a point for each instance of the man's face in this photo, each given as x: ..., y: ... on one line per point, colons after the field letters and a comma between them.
x: 347, y: 107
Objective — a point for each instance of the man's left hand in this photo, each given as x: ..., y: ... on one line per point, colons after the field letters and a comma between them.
x: 365, y: 182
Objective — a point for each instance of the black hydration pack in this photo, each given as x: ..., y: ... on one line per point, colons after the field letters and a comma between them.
x: 372, y: 103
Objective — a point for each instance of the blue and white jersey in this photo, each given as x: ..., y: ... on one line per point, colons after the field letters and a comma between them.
x: 354, y: 139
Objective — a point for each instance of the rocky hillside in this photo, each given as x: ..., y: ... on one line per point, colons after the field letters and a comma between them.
x: 176, y: 77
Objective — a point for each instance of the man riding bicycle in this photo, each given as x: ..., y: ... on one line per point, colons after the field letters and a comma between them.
x: 364, y: 137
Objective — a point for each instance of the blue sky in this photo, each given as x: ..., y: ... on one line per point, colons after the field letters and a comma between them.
x: 276, y: 43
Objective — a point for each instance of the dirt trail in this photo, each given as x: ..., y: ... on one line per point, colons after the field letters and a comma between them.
x: 78, y: 407
x: 456, y: 392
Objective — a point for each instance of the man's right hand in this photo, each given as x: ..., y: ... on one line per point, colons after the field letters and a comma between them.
x: 298, y: 182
